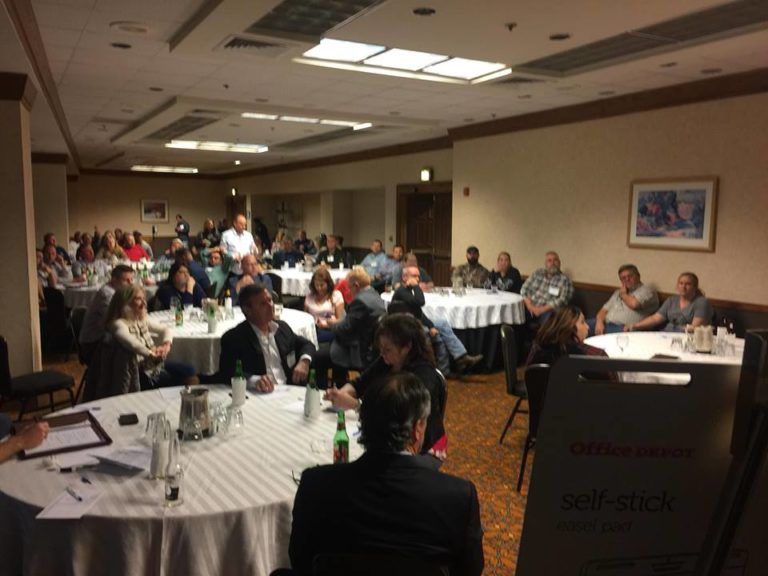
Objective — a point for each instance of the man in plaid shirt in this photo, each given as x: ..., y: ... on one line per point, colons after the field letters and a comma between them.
x: 546, y: 289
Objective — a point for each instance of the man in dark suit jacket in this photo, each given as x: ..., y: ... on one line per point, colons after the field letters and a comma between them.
x: 333, y: 255
x: 249, y: 340
x: 391, y: 501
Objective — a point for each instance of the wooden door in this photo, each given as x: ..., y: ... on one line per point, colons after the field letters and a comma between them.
x: 424, y: 226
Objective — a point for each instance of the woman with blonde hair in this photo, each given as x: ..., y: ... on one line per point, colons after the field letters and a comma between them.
x: 147, y: 340
x: 108, y: 248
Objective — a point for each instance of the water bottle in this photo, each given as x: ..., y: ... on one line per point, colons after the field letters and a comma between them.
x: 174, y: 474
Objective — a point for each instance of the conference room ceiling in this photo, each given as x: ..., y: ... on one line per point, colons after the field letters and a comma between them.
x: 127, y: 93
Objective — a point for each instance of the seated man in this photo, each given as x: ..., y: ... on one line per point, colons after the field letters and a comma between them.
x: 333, y: 255
x: 218, y: 271
x: 94, y: 322
x: 287, y: 255
x: 185, y: 258
x: 393, y: 268
x: 50, y: 240
x: 86, y: 258
x: 252, y: 274
x: 425, y: 280
x: 627, y: 305
x: 305, y: 245
x: 375, y: 263
x: 168, y: 258
x: 546, y: 289
x: 266, y: 347
x: 134, y: 252
x: 390, y: 501
x: 472, y: 273
x: 181, y: 286
x: 447, y: 344
x: 57, y: 263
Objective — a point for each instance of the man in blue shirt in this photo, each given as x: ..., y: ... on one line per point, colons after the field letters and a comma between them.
x: 252, y: 273
x: 375, y: 264
x: 288, y: 254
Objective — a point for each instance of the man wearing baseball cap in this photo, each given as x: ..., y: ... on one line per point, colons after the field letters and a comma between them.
x: 472, y: 273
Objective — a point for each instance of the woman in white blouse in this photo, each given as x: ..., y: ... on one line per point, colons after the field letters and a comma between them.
x: 325, y: 304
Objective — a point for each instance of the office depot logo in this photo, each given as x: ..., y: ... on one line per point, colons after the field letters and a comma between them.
x: 609, y: 449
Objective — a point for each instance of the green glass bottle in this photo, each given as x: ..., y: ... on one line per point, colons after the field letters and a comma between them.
x: 179, y: 314
x: 341, y: 440
x: 239, y: 369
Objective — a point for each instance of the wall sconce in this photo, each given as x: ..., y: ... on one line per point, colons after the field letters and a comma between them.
x: 427, y: 174
x: 234, y: 191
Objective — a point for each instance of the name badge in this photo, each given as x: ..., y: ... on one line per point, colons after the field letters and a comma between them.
x: 374, y: 264
x: 291, y: 360
x: 330, y: 258
x: 554, y: 291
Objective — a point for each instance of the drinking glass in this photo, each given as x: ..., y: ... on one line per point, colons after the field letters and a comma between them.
x: 278, y: 311
x: 622, y: 341
x: 235, y: 421
x: 676, y: 345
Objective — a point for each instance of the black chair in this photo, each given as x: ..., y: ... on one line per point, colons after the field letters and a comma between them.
x: 514, y: 386
x: 76, y: 318
x: 57, y: 332
x: 29, y: 386
x: 362, y: 564
x: 536, y: 379
x: 211, y: 292
x: 294, y: 302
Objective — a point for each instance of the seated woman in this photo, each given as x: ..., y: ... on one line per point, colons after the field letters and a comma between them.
x: 182, y: 286
x: 135, y: 333
x: 506, y: 276
x: 689, y: 307
x: 404, y: 348
x: 563, y: 333
x: 109, y: 250
x: 325, y: 304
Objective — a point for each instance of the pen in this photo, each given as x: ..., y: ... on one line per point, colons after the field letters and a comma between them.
x: 74, y: 494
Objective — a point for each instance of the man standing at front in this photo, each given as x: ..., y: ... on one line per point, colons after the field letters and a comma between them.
x: 238, y: 242
x: 267, y: 348
x: 390, y: 501
x: 546, y: 289
x: 472, y: 273
x: 627, y: 305
x: 182, y: 229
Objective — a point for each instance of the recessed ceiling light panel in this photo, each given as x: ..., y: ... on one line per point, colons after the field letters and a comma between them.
x: 165, y: 169
x: 258, y: 116
x: 301, y: 119
x: 464, y: 68
x: 405, y: 59
x: 217, y: 146
x: 343, y: 51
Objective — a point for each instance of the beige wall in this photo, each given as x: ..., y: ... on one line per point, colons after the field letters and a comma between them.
x: 49, y: 183
x: 114, y: 201
x: 566, y: 188
x: 359, y: 178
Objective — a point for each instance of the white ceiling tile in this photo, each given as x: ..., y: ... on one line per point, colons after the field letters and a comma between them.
x: 60, y: 16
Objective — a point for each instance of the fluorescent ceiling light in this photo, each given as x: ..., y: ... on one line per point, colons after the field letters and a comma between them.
x: 346, y: 123
x: 258, y: 116
x: 492, y: 76
x: 300, y: 119
x: 405, y: 59
x: 362, y: 126
x: 343, y: 51
x: 167, y: 169
x: 463, y: 68
x: 217, y: 146
x: 379, y: 70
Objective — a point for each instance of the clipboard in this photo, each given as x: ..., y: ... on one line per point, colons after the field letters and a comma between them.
x: 96, y: 435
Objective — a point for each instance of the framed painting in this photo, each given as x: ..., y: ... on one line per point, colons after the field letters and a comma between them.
x: 154, y: 211
x: 674, y: 214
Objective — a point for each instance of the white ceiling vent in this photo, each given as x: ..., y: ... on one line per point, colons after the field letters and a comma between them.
x: 185, y: 124
x: 256, y: 46
x: 515, y: 81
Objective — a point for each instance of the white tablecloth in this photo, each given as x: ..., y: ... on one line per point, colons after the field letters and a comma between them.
x: 238, y: 496
x: 79, y: 295
x: 192, y: 343
x: 296, y: 282
x: 477, y: 309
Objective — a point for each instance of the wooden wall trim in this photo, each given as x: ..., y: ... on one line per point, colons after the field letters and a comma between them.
x: 395, y: 150
x: 17, y: 88
x: 49, y: 158
x: 23, y: 17
x: 742, y: 84
x: 717, y: 303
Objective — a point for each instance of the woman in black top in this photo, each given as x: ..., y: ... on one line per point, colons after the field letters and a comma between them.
x: 404, y: 348
x: 508, y: 275
x: 563, y: 333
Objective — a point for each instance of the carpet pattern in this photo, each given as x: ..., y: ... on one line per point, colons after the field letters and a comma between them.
x: 478, y: 406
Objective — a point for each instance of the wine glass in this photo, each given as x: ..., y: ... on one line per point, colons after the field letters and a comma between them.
x: 622, y: 341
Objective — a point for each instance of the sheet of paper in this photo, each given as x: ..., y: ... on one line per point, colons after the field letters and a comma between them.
x: 171, y: 393
x: 132, y: 458
x: 81, y: 458
x: 63, y: 437
x: 67, y: 506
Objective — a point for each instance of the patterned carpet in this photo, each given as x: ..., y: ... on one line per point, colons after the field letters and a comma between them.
x: 478, y: 407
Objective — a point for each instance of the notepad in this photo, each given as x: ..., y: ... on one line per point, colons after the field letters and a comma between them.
x: 68, y: 433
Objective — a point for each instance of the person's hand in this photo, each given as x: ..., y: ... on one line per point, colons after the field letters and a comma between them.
x: 190, y: 284
x: 340, y: 399
x: 243, y: 282
x: 628, y: 327
x: 33, y: 435
x: 300, y: 371
x: 623, y: 290
x: 599, y: 327
x: 164, y: 349
x: 265, y: 385
x: 433, y: 332
x: 322, y: 323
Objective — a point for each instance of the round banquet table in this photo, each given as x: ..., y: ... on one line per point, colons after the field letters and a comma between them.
x: 192, y: 343
x: 296, y: 281
x: 646, y: 345
x: 80, y: 295
x: 237, y: 495
x: 475, y: 317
